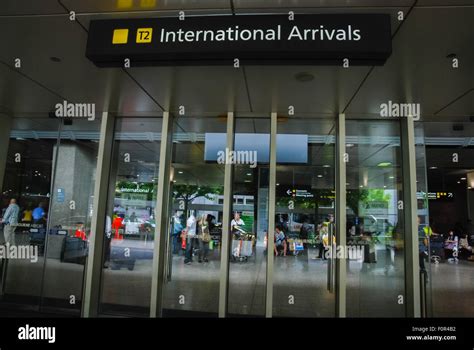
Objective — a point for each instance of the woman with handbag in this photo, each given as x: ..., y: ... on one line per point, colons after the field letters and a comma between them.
x: 204, y: 238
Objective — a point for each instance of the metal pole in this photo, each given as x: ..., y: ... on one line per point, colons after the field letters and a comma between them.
x: 226, y: 220
x: 271, y: 216
x: 161, y: 218
x: 412, y: 263
x: 93, y: 271
x: 341, y: 273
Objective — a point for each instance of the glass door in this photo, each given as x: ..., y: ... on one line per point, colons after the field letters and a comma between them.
x: 247, y: 271
x: 195, y: 228
x: 376, y: 280
x: 303, y: 276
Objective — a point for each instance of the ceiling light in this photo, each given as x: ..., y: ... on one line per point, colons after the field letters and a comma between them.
x: 361, y: 186
x: 320, y: 175
x: 180, y: 172
x: 391, y: 177
x: 463, y: 178
x: 248, y: 181
x: 278, y: 184
x: 249, y: 174
x: 433, y: 167
x: 459, y: 182
x: 385, y: 187
x: 349, y: 145
x: 304, y: 77
x: 326, y: 166
x: 384, y: 164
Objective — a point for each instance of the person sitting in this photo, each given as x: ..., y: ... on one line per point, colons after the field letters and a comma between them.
x: 451, y: 246
x: 280, y: 241
x: 465, y: 250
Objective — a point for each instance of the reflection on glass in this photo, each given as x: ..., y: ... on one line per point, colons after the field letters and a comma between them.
x: 28, y: 181
x: 195, y: 230
x: 448, y: 232
x: 130, y: 220
x: 304, y: 222
x: 70, y: 215
x: 374, y: 219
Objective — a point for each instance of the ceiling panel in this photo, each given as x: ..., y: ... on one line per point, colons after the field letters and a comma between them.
x: 463, y: 106
x: 277, y: 88
x: 144, y: 5
x: 199, y: 89
x: 30, y: 7
x: 21, y: 95
x: 418, y: 70
x: 241, y: 4
x: 75, y: 77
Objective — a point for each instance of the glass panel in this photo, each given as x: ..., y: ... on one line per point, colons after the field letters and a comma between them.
x: 28, y: 180
x: 450, y: 185
x: 247, y: 271
x: 194, y: 248
x: 70, y: 214
x: 304, y: 205
x: 130, y: 221
x: 376, y: 279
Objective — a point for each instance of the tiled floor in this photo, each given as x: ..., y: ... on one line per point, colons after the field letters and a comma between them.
x: 300, y: 285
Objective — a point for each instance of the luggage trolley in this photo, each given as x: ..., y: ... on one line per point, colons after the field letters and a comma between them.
x: 242, y: 245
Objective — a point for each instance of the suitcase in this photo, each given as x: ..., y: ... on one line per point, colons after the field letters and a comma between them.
x: 242, y: 249
x: 75, y: 250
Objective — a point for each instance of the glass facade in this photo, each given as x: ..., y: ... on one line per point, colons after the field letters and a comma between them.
x: 237, y: 190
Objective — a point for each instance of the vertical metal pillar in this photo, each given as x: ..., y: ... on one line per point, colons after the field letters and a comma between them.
x: 226, y: 220
x: 93, y: 271
x: 271, y: 216
x: 161, y: 218
x: 412, y: 263
x: 341, y: 273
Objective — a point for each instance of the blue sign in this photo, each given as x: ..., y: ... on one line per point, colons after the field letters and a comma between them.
x: 61, y: 195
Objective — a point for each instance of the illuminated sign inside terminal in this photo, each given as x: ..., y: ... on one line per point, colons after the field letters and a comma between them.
x: 259, y: 39
x: 435, y: 195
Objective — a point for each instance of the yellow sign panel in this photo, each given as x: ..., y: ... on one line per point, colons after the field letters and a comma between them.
x: 144, y: 35
x: 124, y: 4
x: 147, y: 3
x: 120, y: 36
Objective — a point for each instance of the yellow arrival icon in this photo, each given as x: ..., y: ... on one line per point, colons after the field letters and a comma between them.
x: 120, y: 36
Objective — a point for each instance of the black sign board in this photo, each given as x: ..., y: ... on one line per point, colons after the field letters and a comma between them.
x: 362, y: 39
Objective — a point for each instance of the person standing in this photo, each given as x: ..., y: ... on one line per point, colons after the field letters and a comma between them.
x: 176, y: 232
x: 237, y: 223
x: 27, y: 215
x: 38, y: 214
x: 10, y: 219
x: 204, y: 239
x: 190, y: 238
